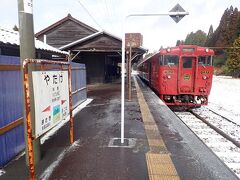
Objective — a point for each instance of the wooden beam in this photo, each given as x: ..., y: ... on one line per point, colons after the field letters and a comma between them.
x: 9, y: 67
x: 11, y: 126
x: 78, y: 90
x: 78, y: 68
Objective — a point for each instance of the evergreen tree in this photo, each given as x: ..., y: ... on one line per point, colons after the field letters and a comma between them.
x: 189, y: 38
x: 222, y: 32
x: 238, y: 27
x: 210, y: 32
x: 233, y: 61
x: 225, y: 34
x: 179, y: 42
x: 209, y: 36
x: 233, y: 25
x: 197, y: 38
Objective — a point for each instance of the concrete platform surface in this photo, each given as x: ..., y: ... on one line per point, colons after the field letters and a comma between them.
x: 158, y: 145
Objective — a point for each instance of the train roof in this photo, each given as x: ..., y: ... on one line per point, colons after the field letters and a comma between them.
x: 147, y: 58
x: 177, y: 49
x: 186, y: 48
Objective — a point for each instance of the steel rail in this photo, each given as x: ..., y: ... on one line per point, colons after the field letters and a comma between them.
x: 223, y: 117
x: 216, y: 129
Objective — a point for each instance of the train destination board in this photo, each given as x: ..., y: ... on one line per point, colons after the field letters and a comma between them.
x: 51, y: 99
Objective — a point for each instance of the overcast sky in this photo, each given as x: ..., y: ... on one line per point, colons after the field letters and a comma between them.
x: 109, y: 14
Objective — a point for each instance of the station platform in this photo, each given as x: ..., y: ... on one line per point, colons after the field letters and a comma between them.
x: 157, y: 145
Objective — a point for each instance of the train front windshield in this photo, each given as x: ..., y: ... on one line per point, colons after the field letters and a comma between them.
x: 169, y: 60
x: 187, y: 62
x: 205, y: 60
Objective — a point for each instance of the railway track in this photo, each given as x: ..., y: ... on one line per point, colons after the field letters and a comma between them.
x: 220, y: 134
x: 238, y: 124
x: 219, y: 130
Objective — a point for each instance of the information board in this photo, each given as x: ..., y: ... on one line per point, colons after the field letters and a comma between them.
x: 51, y: 99
x: 28, y: 6
x: 134, y: 40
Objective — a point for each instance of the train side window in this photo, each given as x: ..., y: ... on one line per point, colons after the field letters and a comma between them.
x: 209, y: 61
x: 187, y: 62
x: 201, y: 60
x: 205, y: 60
x: 161, y: 60
x: 171, y: 60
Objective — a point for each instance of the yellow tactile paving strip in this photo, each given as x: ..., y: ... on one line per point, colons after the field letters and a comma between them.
x: 159, y: 163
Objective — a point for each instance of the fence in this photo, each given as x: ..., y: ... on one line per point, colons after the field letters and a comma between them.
x: 79, y: 89
x: 11, y: 104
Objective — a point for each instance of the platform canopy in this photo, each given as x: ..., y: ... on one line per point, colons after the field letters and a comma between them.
x: 101, y: 41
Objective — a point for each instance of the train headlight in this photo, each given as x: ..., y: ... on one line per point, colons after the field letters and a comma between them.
x: 201, y: 89
x: 168, y: 76
x: 207, y: 50
x: 204, y: 77
x: 168, y: 49
x: 168, y: 98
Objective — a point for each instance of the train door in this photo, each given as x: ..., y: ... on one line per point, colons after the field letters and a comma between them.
x: 154, y: 73
x: 150, y: 73
x: 186, y: 76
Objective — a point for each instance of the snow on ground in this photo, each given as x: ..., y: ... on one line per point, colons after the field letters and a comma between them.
x: 225, y: 97
x: 2, y: 172
x: 47, y: 173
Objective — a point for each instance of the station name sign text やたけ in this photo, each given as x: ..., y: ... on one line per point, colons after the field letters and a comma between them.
x: 51, y: 99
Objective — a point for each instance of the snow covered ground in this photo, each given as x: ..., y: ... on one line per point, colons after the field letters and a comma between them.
x: 225, y: 97
x: 225, y: 100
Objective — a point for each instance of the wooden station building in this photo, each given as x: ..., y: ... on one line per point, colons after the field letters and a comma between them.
x: 100, y: 51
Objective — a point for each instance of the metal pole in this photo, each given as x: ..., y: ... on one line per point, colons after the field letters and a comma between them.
x: 129, y: 73
x: 123, y: 59
x: 159, y: 14
x: 123, y: 84
x: 28, y: 123
x: 70, y: 103
x: 70, y: 97
x: 27, y: 50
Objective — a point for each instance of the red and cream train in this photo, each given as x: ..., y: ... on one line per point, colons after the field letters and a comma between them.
x: 181, y: 76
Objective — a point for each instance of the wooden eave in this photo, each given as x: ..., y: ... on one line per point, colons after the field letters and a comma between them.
x: 68, y: 17
x: 80, y: 45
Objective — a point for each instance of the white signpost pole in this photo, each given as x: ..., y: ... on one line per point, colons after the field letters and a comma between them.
x: 123, y: 84
x: 177, y: 13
